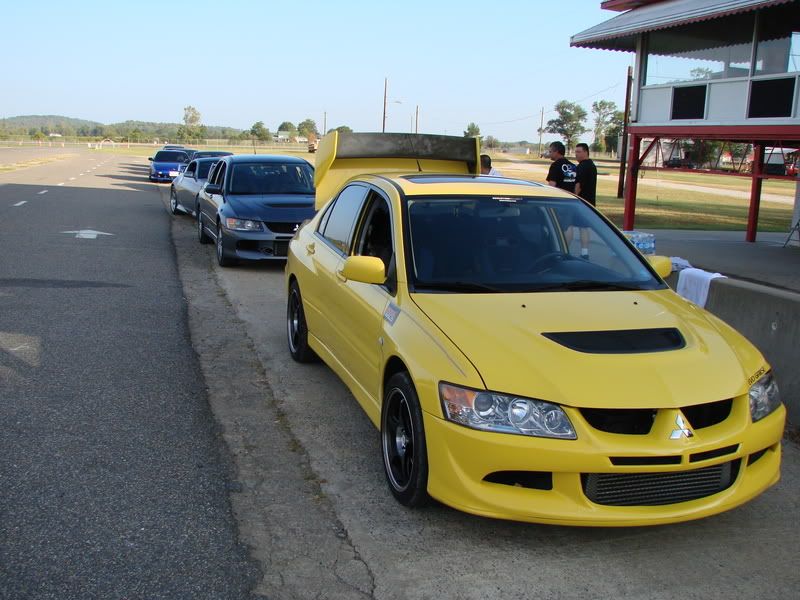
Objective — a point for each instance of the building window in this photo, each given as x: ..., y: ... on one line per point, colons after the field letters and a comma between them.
x: 689, y: 102
x: 771, y: 98
x: 716, y: 49
x: 778, y: 49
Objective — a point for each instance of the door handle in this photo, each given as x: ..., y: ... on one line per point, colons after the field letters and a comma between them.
x: 310, y: 248
x: 340, y: 275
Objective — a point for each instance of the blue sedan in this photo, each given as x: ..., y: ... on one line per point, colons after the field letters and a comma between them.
x: 167, y: 164
x: 252, y: 205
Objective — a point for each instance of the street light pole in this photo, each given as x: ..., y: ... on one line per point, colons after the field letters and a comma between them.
x: 416, y: 121
x: 385, y: 89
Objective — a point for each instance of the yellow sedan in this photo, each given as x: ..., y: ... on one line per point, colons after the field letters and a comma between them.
x: 512, y: 376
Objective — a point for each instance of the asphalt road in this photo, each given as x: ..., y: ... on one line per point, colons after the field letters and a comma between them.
x: 125, y: 412
x: 113, y: 480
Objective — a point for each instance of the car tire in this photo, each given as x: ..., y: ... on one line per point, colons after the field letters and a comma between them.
x: 173, y: 202
x: 202, y: 236
x: 405, y: 455
x: 296, y: 327
x: 222, y: 260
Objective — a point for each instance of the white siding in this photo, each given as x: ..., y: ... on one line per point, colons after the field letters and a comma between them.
x: 654, y: 105
x: 727, y: 102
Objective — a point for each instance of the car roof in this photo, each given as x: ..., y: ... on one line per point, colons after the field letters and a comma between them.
x: 432, y: 184
x: 205, y: 159
x: 263, y: 158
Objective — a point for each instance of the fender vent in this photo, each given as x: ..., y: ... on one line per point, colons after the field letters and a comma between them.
x: 624, y: 341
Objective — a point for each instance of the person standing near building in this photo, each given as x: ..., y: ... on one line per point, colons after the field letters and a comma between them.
x: 562, y: 175
x: 585, y: 187
x: 487, y: 168
x: 562, y: 172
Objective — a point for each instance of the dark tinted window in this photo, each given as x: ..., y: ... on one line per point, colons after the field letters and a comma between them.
x: 272, y: 178
x: 342, y: 217
x: 203, y: 168
x: 191, y: 168
x: 171, y: 156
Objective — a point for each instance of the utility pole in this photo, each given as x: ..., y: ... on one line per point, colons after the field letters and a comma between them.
x: 324, y: 122
x: 416, y: 121
x: 385, y: 89
x: 541, y: 129
x: 623, y: 153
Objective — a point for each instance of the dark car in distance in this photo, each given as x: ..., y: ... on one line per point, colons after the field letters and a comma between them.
x: 185, y: 188
x: 678, y: 163
x: 166, y: 165
x: 252, y: 205
x: 208, y: 153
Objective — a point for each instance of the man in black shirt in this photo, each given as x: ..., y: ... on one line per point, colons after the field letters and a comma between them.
x: 585, y: 187
x: 585, y: 174
x: 562, y: 172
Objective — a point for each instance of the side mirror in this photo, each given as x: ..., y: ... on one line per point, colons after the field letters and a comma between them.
x: 212, y: 189
x: 150, y: 159
x: 365, y: 269
x: 661, y: 264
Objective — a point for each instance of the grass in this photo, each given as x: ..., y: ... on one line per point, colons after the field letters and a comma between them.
x: 668, y: 208
x: 4, y: 168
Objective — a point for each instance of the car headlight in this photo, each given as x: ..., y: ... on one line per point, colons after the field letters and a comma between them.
x: 491, y: 411
x: 243, y: 225
x: 764, y: 397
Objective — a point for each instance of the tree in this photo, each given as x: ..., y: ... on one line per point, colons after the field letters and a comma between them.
x: 308, y: 128
x: 473, y: 131
x: 191, y: 117
x: 614, y: 130
x: 569, y: 123
x: 342, y: 129
x: 491, y: 142
x: 603, y: 113
x: 260, y: 132
x: 288, y: 127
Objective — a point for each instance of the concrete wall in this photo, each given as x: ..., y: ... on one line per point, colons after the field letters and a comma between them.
x: 770, y: 318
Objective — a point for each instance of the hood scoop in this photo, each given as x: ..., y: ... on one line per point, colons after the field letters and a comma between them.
x: 624, y: 341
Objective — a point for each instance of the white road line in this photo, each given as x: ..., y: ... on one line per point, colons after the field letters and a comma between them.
x: 20, y: 203
x: 72, y: 179
x: 42, y: 192
x: 62, y: 183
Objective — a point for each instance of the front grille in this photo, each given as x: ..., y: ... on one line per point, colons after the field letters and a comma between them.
x: 276, y: 227
x: 706, y: 415
x: 656, y: 489
x: 633, y: 421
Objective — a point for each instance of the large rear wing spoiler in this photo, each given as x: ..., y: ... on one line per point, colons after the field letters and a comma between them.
x: 341, y: 156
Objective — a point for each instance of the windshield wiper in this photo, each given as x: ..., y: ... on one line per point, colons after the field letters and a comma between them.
x: 457, y: 286
x: 584, y: 285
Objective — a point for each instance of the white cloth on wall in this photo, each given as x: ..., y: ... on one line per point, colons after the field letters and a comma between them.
x: 693, y: 284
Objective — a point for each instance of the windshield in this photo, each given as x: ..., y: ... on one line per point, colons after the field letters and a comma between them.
x: 171, y: 156
x: 486, y: 244
x: 272, y: 178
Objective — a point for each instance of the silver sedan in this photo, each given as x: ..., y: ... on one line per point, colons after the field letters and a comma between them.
x: 183, y: 194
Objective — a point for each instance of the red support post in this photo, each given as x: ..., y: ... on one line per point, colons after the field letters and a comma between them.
x: 631, y: 179
x: 755, y: 192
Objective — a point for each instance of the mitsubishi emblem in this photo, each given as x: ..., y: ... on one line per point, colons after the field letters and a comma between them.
x: 683, y: 429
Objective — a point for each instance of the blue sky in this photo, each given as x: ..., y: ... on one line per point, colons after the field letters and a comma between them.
x: 493, y: 63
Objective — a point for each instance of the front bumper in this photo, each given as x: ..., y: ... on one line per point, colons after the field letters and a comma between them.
x: 261, y: 245
x: 551, y: 481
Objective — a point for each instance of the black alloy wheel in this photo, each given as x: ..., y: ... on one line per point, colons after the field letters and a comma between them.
x: 405, y: 455
x: 296, y: 328
x: 202, y: 236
